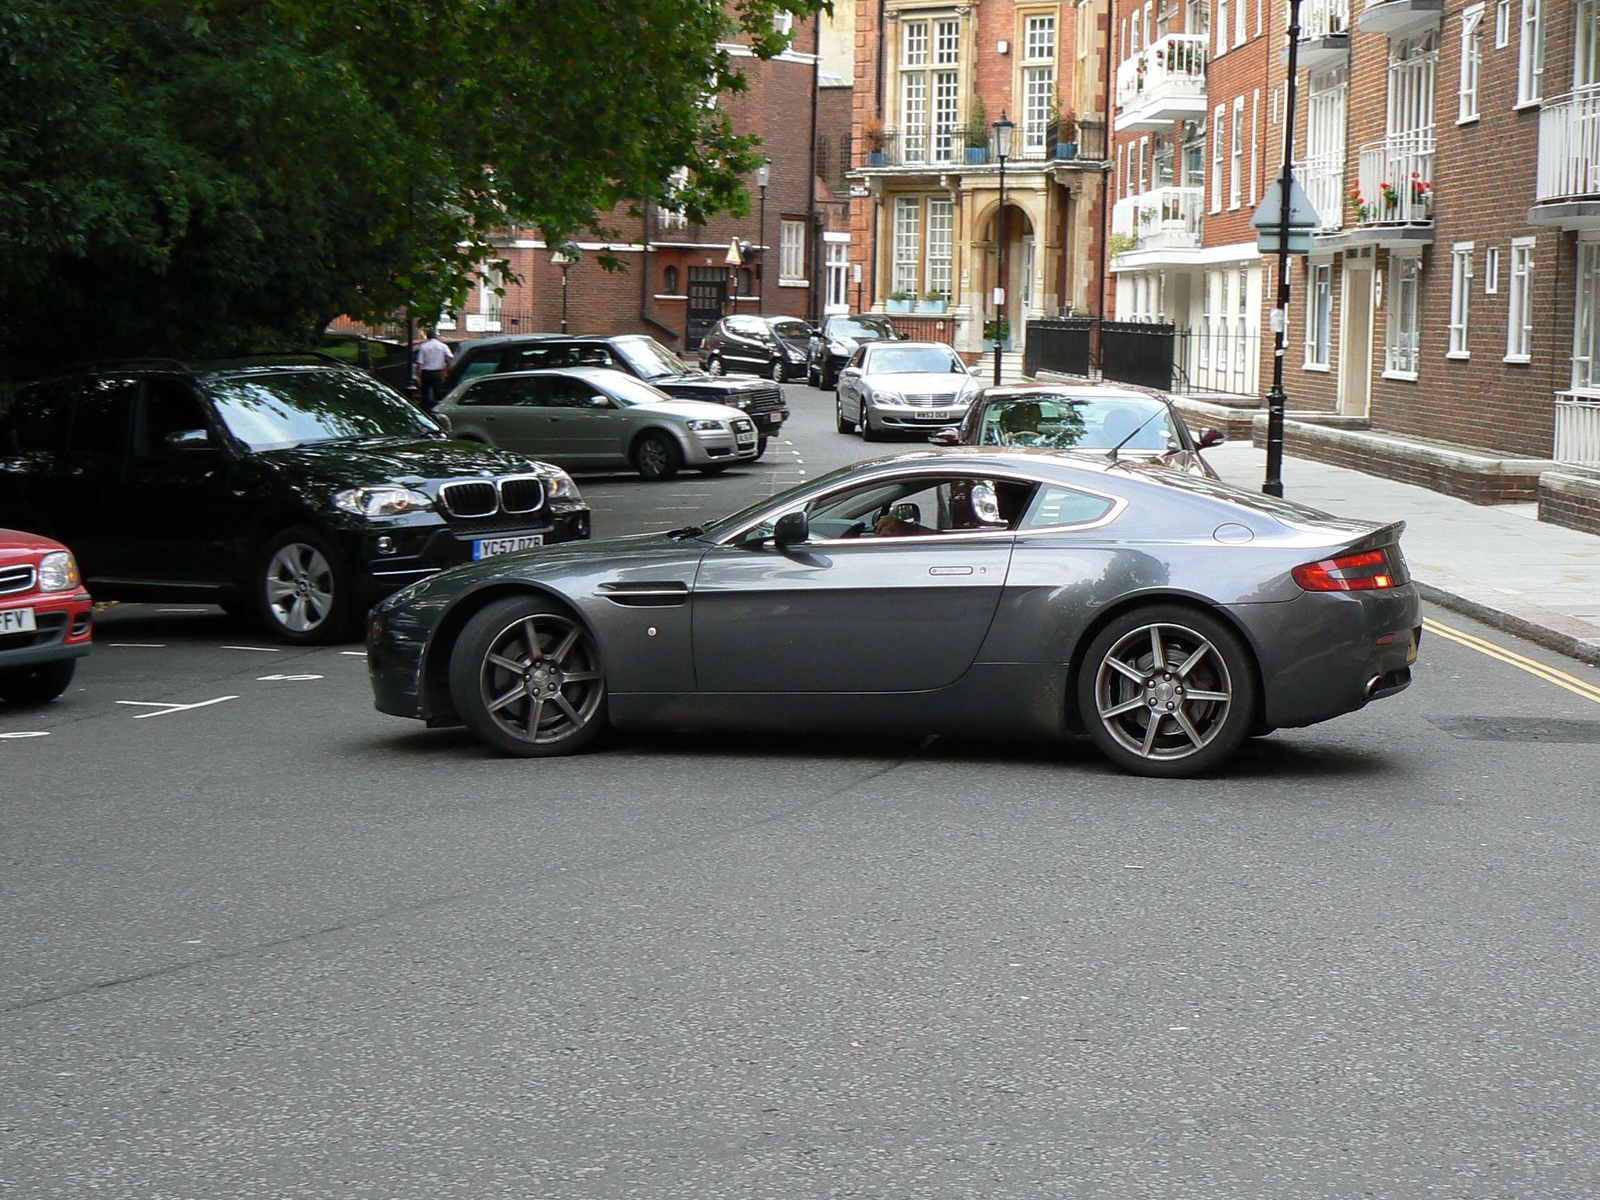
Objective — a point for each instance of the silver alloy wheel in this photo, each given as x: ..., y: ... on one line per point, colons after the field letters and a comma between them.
x: 779, y: 371
x: 1163, y: 692
x: 540, y: 680
x: 300, y: 590
x: 652, y: 457
x: 715, y: 366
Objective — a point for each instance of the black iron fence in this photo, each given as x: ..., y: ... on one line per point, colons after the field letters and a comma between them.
x: 1221, y: 361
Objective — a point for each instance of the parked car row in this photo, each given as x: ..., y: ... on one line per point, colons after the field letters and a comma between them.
x: 785, y: 348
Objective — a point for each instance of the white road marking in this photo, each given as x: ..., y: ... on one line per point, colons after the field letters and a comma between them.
x: 286, y: 678
x: 140, y: 645
x: 19, y: 736
x: 257, y: 649
x: 354, y: 653
x: 181, y: 610
x: 167, y: 709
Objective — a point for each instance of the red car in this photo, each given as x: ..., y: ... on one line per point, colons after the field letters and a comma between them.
x: 45, y: 618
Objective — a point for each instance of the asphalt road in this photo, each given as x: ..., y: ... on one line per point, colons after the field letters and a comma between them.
x: 279, y: 945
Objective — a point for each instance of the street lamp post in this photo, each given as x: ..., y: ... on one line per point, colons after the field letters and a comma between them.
x: 563, y: 260
x: 761, y: 241
x: 1002, y: 148
x: 1273, y: 485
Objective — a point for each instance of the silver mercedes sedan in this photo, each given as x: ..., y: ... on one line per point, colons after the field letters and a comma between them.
x: 971, y: 592
x: 902, y: 386
x: 593, y: 417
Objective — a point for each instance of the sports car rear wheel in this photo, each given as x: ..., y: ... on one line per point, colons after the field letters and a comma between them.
x: 1167, y: 691
x: 526, y: 678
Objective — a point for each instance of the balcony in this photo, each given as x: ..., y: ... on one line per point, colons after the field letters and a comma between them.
x: 1162, y: 84
x: 1322, y: 176
x: 1324, y: 34
x: 1396, y: 17
x: 945, y: 152
x: 1394, y: 190
x: 1567, y: 193
x: 1162, y: 219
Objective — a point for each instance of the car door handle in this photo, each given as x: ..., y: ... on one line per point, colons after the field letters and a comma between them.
x: 491, y: 418
x: 949, y: 570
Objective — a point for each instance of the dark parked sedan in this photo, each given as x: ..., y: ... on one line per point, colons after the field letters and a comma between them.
x: 776, y: 347
x: 1048, y: 416
x: 972, y: 592
x: 833, y: 344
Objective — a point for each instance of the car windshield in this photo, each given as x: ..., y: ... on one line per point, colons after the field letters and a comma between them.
x: 649, y: 358
x: 1058, y: 422
x: 794, y: 330
x: 281, y: 409
x: 628, y: 391
x: 914, y: 360
x: 863, y: 329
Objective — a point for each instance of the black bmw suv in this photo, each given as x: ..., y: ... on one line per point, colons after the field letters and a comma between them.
x: 298, y: 493
x: 634, y: 354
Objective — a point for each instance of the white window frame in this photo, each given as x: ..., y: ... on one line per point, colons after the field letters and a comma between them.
x: 1471, y: 64
x: 1255, y: 146
x: 1491, y: 270
x: 792, y: 254
x: 906, y: 261
x: 1519, y: 312
x: 491, y: 305
x: 946, y: 42
x: 1219, y: 134
x: 1319, y: 317
x: 939, y: 275
x: 1530, y: 54
x: 1205, y: 319
x: 836, y: 271
x: 1236, y: 155
x: 1403, y: 328
x: 1460, y: 299
x: 1502, y: 24
x: 1219, y: 21
x: 1243, y: 321
x: 1586, y: 47
x: 1586, y: 319
x: 1241, y: 15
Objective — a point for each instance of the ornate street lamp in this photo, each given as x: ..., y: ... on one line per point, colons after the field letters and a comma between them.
x: 564, y: 258
x: 761, y: 263
x: 1002, y: 147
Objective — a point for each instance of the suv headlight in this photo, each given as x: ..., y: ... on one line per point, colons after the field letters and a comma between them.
x: 558, y: 484
x: 58, y: 571
x: 381, y: 501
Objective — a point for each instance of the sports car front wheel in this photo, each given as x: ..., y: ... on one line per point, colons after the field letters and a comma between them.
x: 526, y: 677
x: 1167, y: 691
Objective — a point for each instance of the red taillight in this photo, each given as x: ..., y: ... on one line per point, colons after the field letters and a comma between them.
x: 1362, y: 572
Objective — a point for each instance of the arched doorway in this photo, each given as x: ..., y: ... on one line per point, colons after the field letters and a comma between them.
x: 1014, y: 270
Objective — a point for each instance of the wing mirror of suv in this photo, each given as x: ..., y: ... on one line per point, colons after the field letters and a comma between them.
x: 1210, y: 437
x: 946, y: 437
x: 189, y: 439
x: 791, y: 530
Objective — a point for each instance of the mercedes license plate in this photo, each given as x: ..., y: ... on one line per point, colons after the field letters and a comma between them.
x: 17, y: 620
x: 489, y: 547
x: 933, y: 416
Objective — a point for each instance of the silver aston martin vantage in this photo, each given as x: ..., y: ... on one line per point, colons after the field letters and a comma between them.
x: 1004, y: 593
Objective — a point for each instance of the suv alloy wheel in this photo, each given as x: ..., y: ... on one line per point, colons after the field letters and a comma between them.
x: 304, y: 590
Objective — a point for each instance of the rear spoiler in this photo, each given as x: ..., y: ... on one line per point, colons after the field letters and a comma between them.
x: 1384, y: 535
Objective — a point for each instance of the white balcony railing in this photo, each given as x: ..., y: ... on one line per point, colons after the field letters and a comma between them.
x: 1578, y: 429
x: 1164, y: 218
x: 1324, y: 18
x: 1172, y: 67
x: 1395, y: 186
x: 1569, y: 147
x: 1322, y: 175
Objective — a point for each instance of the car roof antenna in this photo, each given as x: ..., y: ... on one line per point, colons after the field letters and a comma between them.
x: 1112, y: 453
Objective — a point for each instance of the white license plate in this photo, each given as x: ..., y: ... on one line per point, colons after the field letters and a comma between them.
x: 17, y: 620
x: 489, y: 547
x: 933, y: 416
x: 747, y: 439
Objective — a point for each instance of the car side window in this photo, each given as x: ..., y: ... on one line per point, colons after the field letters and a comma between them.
x: 560, y: 392
x: 1056, y: 505
x: 914, y: 506
x: 592, y: 356
x: 486, y: 363
x: 38, y: 419
x: 858, y: 358
x: 498, y: 393
x: 167, y: 407
x: 102, y: 417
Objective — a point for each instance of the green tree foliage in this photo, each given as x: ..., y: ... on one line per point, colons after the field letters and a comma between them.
x: 184, y: 176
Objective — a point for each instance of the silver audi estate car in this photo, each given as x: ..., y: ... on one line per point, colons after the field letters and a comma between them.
x: 970, y: 591
x: 593, y: 417
x: 902, y: 386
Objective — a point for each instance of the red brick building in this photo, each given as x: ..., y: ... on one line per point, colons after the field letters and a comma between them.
x: 928, y: 232
x: 677, y: 281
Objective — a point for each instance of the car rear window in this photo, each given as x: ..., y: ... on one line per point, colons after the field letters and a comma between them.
x: 1057, y: 505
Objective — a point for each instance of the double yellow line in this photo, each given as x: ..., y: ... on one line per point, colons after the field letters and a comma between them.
x: 1549, y: 674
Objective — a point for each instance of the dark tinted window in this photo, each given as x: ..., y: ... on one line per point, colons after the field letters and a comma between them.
x: 483, y: 363
x: 168, y: 407
x: 791, y: 329
x: 521, y: 392
x: 101, y: 416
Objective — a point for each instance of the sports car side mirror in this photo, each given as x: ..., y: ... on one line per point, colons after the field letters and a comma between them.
x: 946, y: 437
x: 1210, y: 437
x: 791, y: 530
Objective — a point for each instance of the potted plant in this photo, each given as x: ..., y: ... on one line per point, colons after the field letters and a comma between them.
x: 899, y: 302
x: 1122, y: 243
x: 978, y: 132
x: 1066, y: 139
x: 873, y: 135
x: 1364, y: 210
x: 996, y: 332
x: 932, y: 302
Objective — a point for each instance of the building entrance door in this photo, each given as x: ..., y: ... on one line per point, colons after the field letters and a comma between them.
x: 708, y: 292
x: 1355, y: 339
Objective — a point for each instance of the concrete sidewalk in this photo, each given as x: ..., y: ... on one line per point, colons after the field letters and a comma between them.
x: 1498, y: 564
